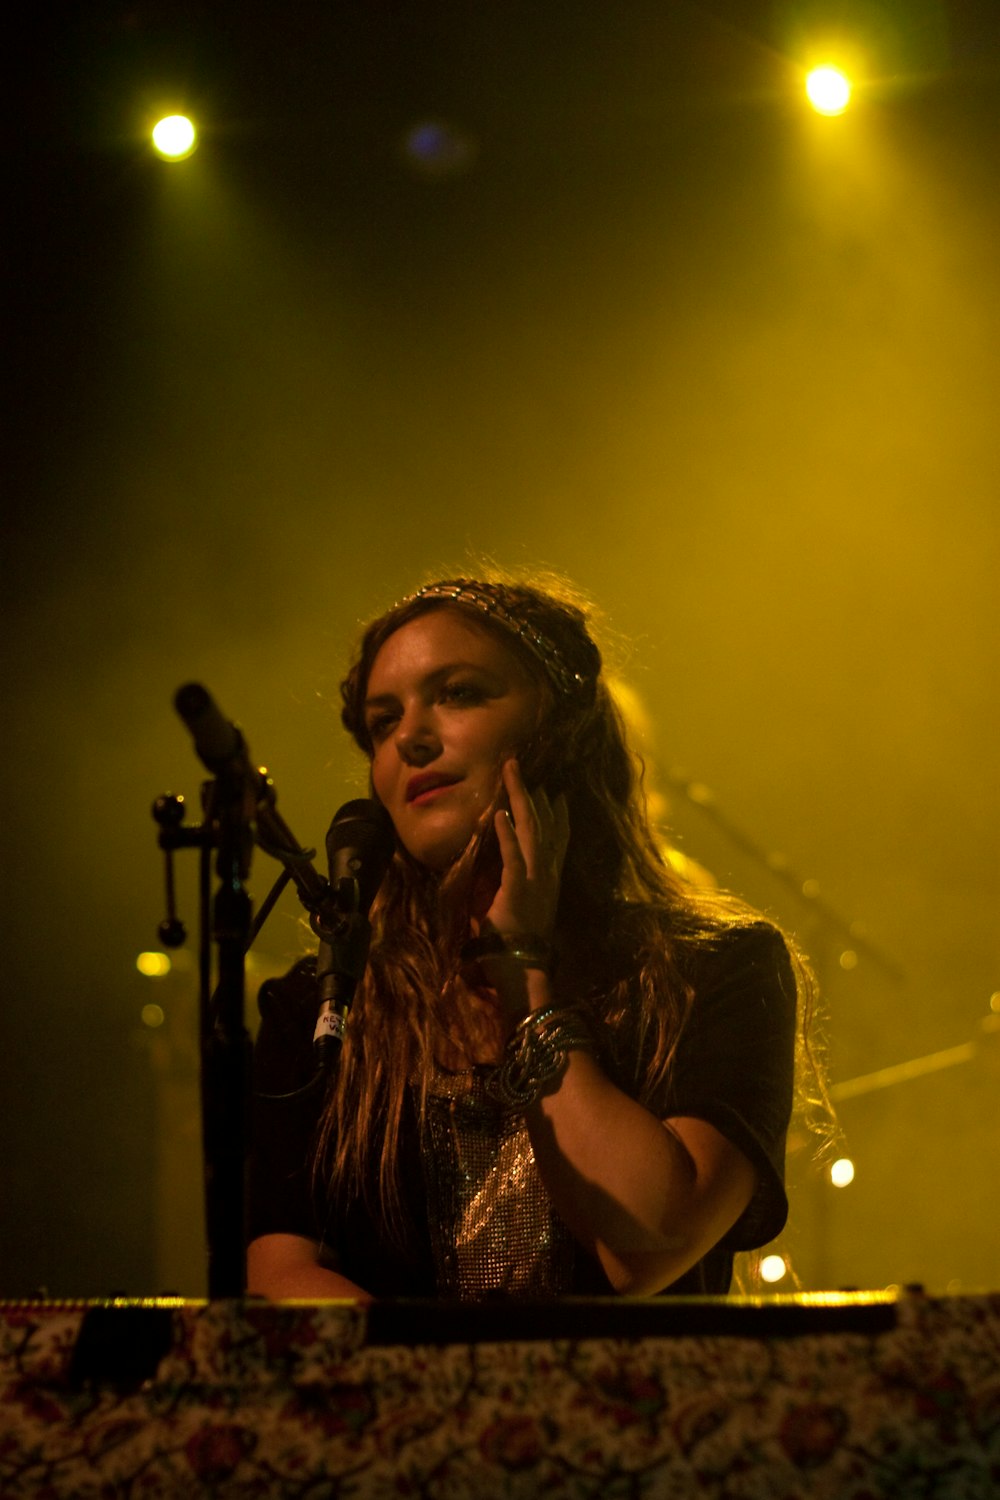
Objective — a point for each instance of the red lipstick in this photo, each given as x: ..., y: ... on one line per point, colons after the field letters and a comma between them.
x: 428, y: 781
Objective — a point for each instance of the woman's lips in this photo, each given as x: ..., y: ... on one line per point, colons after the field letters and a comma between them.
x: 420, y: 791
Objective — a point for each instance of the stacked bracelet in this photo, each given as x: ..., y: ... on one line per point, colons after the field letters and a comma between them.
x: 527, y: 948
x: 536, y: 1054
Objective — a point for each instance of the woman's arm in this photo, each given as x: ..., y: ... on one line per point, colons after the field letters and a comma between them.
x: 647, y: 1198
x: 287, y: 1265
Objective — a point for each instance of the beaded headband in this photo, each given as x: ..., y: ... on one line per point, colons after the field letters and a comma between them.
x: 545, y: 651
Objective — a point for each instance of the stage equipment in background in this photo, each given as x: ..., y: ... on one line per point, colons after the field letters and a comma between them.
x: 238, y: 812
x: 847, y: 931
x: 981, y: 1044
x: 849, y: 939
x: 844, y: 930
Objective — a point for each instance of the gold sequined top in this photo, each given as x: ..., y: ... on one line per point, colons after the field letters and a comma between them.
x: 492, y: 1226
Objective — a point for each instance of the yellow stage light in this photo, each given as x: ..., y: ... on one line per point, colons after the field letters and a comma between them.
x: 842, y: 1172
x: 829, y: 90
x: 153, y: 965
x: 773, y: 1267
x: 174, y: 137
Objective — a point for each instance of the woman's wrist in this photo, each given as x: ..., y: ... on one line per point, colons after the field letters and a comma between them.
x: 531, y: 950
x: 537, y: 1053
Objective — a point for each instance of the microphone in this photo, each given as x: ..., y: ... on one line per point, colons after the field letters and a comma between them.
x: 221, y: 748
x: 359, y: 846
x: 218, y: 744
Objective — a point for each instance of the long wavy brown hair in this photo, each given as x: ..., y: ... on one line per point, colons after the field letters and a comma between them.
x: 627, y: 927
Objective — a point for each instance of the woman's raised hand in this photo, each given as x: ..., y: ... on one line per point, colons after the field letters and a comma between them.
x: 533, y: 837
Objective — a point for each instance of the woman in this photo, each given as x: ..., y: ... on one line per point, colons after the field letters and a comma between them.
x: 564, y: 1070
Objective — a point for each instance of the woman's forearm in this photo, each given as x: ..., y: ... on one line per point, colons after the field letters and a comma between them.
x: 283, y: 1266
x: 647, y: 1198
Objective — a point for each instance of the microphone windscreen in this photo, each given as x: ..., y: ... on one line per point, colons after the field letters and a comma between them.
x: 216, y: 740
x: 359, y: 845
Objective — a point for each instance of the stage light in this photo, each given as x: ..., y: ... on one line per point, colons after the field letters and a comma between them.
x: 842, y: 1172
x: 773, y: 1267
x: 153, y: 965
x: 153, y: 1016
x: 174, y: 137
x: 829, y: 90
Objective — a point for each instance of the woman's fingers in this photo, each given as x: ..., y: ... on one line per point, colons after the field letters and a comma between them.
x: 540, y: 825
x: 507, y: 838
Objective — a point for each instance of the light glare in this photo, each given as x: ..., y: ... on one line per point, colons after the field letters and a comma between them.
x: 773, y: 1267
x: 829, y: 90
x: 153, y: 1016
x: 842, y: 1172
x: 153, y: 965
x: 174, y: 137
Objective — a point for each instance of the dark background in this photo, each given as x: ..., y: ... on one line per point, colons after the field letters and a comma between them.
x: 582, y: 286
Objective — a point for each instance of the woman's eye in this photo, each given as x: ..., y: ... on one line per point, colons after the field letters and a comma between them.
x: 379, y: 727
x: 461, y: 692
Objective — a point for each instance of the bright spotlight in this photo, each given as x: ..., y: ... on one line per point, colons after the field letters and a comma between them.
x: 153, y: 965
x: 842, y: 1172
x: 829, y: 91
x: 174, y: 137
x: 773, y: 1267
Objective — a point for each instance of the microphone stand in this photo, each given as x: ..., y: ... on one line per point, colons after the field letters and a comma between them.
x: 238, y: 808
x: 225, y: 1042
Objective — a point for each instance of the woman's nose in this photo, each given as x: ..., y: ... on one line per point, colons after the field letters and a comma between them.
x: 416, y: 739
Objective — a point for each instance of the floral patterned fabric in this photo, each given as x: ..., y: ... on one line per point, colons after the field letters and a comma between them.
x: 256, y: 1400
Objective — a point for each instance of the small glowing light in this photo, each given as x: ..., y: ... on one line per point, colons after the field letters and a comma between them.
x: 810, y: 889
x: 829, y: 91
x: 848, y: 959
x: 436, y: 149
x: 153, y: 965
x: 842, y: 1172
x: 773, y: 1267
x: 153, y: 1015
x: 174, y: 137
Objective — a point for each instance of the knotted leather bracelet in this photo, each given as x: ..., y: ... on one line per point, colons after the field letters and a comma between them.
x: 537, y: 1054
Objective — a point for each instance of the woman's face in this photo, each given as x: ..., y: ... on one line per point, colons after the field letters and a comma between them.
x: 447, y: 703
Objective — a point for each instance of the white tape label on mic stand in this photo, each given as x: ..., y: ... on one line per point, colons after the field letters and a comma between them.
x: 329, y: 1023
